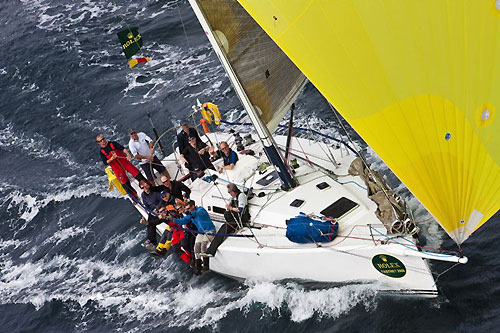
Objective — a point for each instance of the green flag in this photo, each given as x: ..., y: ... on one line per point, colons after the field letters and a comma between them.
x: 131, y: 41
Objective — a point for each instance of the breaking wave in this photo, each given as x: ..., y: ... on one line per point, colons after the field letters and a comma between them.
x: 167, y: 294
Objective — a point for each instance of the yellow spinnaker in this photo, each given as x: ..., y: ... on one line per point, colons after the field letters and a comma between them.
x: 418, y: 80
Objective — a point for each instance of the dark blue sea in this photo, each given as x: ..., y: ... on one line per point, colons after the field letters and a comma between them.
x: 70, y: 253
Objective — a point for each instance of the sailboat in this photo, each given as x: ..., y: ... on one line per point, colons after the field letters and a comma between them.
x: 417, y: 81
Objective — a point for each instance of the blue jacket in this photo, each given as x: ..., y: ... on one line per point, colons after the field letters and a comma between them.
x: 200, y: 218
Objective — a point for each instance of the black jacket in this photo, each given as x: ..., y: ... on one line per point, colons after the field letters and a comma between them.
x: 183, y: 138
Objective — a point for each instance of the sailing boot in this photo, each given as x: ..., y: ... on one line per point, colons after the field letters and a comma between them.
x: 160, y: 250
x: 206, y: 267
x: 197, y: 269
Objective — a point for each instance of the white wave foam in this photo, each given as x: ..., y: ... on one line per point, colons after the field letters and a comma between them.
x: 124, y: 241
x: 155, y: 14
x: 3, y: 71
x: 94, y: 125
x: 66, y: 233
x: 36, y: 146
x: 165, y: 294
x: 29, y: 205
x: 7, y: 244
x: 67, y: 16
x: 192, y: 70
x: 301, y: 303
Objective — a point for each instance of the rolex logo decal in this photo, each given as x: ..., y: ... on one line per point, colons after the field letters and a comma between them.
x: 389, y: 265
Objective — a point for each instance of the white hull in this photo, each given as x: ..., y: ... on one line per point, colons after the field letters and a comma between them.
x: 269, y: 255
x: 239, y: 259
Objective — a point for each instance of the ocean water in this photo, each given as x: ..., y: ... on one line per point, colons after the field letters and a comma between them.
x: 70, y: 254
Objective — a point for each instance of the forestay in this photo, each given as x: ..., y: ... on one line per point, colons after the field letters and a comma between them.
x: 418, y: 80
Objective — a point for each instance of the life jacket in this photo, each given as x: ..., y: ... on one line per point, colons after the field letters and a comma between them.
x: 171, y: 210
x: 234, y: 203
x: 117, y: 151
x: 227, y: 159
x: 177, y: 234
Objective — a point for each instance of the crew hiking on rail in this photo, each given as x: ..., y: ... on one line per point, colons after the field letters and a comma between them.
x: 189, y: 228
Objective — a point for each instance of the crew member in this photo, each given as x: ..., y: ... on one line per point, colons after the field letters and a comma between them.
x: 197, y: 158
x: 236, y: 215
x: 177, y: 189
x: 199, y: 216
x: 115, y: 155
x: 229, y: 157
x: 184, y: 135
x: 142, y: 147
x: 151, y: 198
x: 171, y: 235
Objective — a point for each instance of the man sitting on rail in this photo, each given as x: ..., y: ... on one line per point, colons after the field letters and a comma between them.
x: 177, y: 189
x: 172, y: 234
x: 199, y: 216
x: 151, y: 198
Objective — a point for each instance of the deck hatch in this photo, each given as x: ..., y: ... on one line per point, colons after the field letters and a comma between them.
x: 297, y: 203
x: 339, y: 208
x: 268, y: 179
x: 322, y: 186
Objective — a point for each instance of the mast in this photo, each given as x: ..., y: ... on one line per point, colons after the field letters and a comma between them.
x: 270, y: 147
x: 290, y: 132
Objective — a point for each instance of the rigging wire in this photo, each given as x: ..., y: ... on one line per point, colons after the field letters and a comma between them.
x: 182, y: 23
x: 330, y: 154
x: 433, y: 252
x: 374, y: 176
x: 443, y: 272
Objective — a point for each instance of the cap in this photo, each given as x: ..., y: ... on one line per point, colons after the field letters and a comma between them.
x: 131, y: 131
x: 164, y: 193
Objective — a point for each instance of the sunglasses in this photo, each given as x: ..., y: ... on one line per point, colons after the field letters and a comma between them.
x: 99, y: 141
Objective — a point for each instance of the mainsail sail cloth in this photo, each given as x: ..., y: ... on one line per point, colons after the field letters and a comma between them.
x: 270, y: 80
x: 418, y: 80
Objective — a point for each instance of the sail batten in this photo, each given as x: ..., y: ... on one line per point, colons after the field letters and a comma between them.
x: 418, y: 81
